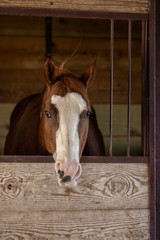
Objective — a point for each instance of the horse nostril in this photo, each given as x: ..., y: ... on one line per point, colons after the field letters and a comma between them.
x: 66, y: 179
x: 61, y: 174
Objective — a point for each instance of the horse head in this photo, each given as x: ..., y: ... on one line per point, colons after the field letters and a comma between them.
x: 65, y: 119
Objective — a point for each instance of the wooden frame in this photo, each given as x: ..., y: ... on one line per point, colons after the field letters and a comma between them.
x: 75, y: 6
x: 154, y: 87
x: 154, y: 139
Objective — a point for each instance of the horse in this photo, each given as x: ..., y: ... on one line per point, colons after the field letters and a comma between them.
x: 59, y: 121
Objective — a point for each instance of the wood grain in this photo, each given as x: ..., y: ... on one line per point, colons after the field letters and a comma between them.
x: 102, y: 186
x: 129, y: 6
x: 66, y: 27
x: 75, y: 225
x: 111, y: 202
x: 22, y: 59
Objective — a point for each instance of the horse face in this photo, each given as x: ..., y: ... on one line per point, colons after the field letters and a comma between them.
x: 65, y: 122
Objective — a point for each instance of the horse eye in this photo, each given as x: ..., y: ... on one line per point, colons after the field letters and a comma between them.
x: 48, y: 114
x: 86, y: 114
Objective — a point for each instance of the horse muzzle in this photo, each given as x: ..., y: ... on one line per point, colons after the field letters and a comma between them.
x: 68, y: 175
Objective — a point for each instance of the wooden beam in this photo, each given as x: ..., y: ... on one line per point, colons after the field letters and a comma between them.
x: 101, y: 186
x: 79, y: 225
x: 125, y: 6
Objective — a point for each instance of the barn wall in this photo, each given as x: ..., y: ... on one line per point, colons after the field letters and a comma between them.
x: 110, y: 202
x: 22, y: 52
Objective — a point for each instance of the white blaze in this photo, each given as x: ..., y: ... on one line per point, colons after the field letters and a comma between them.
x: 67, y: 139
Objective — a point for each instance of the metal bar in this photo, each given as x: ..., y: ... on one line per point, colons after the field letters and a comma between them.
x: 145, y: 89
x: 111, y: 85
x: 71, y: 13
x: 48, y: 36
x: 129, y: 84
x: 84, y: 159
x: 152, y: 118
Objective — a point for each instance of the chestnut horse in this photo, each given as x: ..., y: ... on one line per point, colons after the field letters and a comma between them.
x: 59, y: 121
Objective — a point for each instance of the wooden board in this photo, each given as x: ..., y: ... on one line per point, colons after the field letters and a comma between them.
x: 66, y: 27
x: 22, y: 59
x: 102, y: 186
x: 129, y: 6
x: 110, y: 202
x: 79, y: 225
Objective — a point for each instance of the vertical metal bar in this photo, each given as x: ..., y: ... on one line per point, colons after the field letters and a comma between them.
x: 48, y: 36
x: 145, y: 89
x: 111, y: 85
x: 129, y: 84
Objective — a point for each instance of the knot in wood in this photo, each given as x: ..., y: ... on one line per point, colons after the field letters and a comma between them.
x: 11, y: 186
x: 118, y: 185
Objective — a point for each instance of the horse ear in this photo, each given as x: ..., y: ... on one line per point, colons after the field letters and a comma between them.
x: 88, y: 76
x: 50, y: 71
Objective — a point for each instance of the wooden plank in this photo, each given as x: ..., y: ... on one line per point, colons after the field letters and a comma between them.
x: 84, y: 159
x: 120, y: 146
x: 79, y: 225
x: 5, y: 112
x: 120, y: 128
x: 111, y: 202
x: 128, y: 6
x: 65, y: 27
x: 102, y: 186
x: 23, y: 75
x: 119, y: 119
